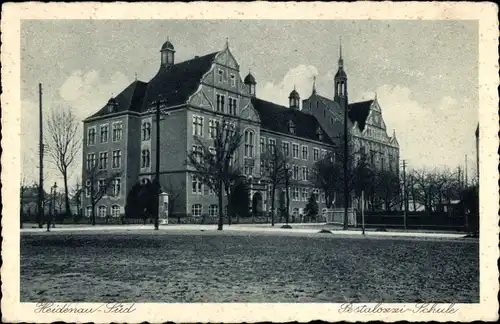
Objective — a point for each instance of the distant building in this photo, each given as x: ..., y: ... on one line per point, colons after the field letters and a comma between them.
x: 197, y: 93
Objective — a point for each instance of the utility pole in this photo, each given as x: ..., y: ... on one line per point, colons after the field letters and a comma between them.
x: 40, y: 152
x: 466, y: 182
x: 346, y: 153
x: 405, y: 198
x: 157, y: 171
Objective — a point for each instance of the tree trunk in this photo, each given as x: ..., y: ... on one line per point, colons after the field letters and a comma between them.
x: 221, y: 208
x: 92, y: 215
x: 66, y: 197
x: 229, y: 209
x: 272, y: 203
x: 287, y: 212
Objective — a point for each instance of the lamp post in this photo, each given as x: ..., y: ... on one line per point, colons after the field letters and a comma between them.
x: 156, y: 182
x: 52, y: 206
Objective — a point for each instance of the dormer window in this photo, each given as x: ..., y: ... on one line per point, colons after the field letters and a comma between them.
x: 291, y: 127
x: 112, y: 105
x: 319, y: 133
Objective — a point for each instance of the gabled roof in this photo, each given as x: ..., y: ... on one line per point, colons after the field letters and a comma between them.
x: 358, y: 112
x: 276, y: 118
x: 129, y: 99
x: 177, y: 82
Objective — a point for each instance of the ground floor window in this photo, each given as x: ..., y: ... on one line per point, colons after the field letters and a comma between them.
x: 88, y: 211
x: 102, y: 211
x: 196, y: 210
x: 115, y: 211
x: 213, y: 210
x: 295, y: 212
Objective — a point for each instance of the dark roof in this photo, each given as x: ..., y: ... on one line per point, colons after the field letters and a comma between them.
x: 358, y: 112
x: 129, y: 99
x: 276, y: 118
x: 249, y: 79
x: 177, y: 82
x: 167, y: 46
x: 294, y: 94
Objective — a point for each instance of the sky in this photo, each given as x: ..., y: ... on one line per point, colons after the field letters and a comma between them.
x: 425, y: 73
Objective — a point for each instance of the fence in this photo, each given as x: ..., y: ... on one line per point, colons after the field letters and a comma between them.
x: 414, y: 220
x: 336, y: 216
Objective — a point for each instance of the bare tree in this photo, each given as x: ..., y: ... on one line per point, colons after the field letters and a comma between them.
x: 63, y: 144
x: 213, y: 161
x: 276, y: 171
x: 97, y: 184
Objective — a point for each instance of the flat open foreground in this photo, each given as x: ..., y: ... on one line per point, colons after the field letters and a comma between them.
x: 235, y: 267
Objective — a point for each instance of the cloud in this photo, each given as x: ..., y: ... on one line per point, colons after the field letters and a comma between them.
x: 430, y: 135
x: 84, y: 93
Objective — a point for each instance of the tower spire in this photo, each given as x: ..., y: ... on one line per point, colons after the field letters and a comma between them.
x: 341, y: 60
x: 227, y: 42
x: 314, y: 85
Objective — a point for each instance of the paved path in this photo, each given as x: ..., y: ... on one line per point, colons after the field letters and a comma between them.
x: 255, y: 228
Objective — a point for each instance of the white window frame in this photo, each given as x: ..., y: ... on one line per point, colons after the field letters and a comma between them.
x: 104, y: 154
x: 88, y: 185
x: 88, y: 211
x: 316, y: 154
x: 298, y: 150
x: 213, y: 210
x: 113, y: 159
x: 198, y: 188
x: 249, y: 143
x: 283, y: 144
x: 197, y: 214
x: 302, y: 152
x: 262, y: 144
x: 101, y: 127
x: 114, y: 128
x: 115, y: 208
x: 105, y: 211
x: 146, y: 130
x: 220, y: 74
x: 197, y: 124
x: 115, y: 181
x: 233, y: 80
x: 271, y: 143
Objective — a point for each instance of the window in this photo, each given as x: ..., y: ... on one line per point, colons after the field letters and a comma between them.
x: 103, y: 160
x: 100, y: 185
x: 115, y: 211
x: 305, y: 152
x: 233, y: 80
x: 102, y: 211
x: 221, y: 76
x: 91, y: 136
x: 91, y: 160
x: 197, y: 126
x: 88, y: 211
x: 145, y: 158
x: 213, y: 210
x: 196, y: 210
x: 295, y: 193
x: 248, y: 170
x: 291, y: 127
x: 295, y: 212
x: 319, y: 133
x: 249, y: 143
x: 305, y: 173
x: 116, y: 187
x: 305, y: 194
x: 323, y: 154
x: 220, y: 103
x: 262, y: 168
x: 197, y: 186
x: 323, y: 196
x: 295, y: 150
x: 212, y: 128
x: 117, y: 158
x: 262, y: 144
x: 104, y: 133
x: 198, y: 152
x: 117, y: 131
x: 286, y: 148
x: 229, y: 128
x: 146, y: 131
x: 232, y: 106
x: 315, y: 154
x: 87, y: 188
x: 295, y: 174
x: 271, y: 145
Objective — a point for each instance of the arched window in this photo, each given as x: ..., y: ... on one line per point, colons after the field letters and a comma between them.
x: 196, y: 210
x: 146, y: 131
x: 249, y: 143
x: 102, y: 211
x: 145, y: 158
x: 115, y: 211
x: 88, y: 211
x: 213, y: 210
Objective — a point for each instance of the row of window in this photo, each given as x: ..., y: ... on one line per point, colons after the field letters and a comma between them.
x: 102, y: 211
x: 197, y: 210
x: 117, y: 133
x: 303, y: 194
x: 116, y: 161
x: 213, y: 127
x: 220, y: 105
x: 114, y: 186
x: 285, y: 146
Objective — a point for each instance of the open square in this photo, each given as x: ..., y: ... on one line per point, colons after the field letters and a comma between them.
x: 210, y: 266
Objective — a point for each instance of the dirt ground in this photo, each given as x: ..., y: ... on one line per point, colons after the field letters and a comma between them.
x: 218, y: 267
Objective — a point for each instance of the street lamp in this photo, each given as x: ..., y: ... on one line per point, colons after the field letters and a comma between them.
x: 52, y: 206
x: 156, y: 182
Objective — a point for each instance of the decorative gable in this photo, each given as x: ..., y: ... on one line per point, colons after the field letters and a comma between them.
x: 250, y: 113
x: 200, y: 99
x: 226, y: 58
